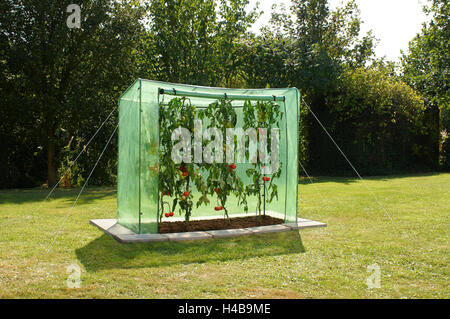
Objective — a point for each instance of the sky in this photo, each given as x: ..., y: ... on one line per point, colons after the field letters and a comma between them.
x: 393, y: 22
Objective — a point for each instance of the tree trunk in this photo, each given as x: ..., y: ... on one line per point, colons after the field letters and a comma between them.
x: 51, y: 168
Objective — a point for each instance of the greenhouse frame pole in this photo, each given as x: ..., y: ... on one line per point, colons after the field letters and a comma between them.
x: 140, y: 133
x: 222, y: 96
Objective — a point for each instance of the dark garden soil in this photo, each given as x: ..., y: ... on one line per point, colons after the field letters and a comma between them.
x: 217, y: 224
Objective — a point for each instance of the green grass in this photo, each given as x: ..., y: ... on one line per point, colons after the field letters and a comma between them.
x: 408, y: 240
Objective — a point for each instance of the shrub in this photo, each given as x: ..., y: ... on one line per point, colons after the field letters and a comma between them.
x: 380, y: 123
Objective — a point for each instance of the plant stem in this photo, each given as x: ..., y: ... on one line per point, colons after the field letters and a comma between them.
x: 264, y: 196
x: 188, y: 209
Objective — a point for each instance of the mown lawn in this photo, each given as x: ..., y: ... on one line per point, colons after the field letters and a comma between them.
x: 408, y: 240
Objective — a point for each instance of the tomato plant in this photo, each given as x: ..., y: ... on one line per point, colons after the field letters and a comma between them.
x: 222, y: 180
x: 262, y: 115
x: 177, y: 179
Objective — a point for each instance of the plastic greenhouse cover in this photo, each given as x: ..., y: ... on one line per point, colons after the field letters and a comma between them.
x: 138, y: 167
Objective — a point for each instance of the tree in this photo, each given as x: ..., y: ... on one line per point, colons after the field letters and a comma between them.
x: 192, y: 42
x: 62, y: 76
x: 426, y: 68
x: 311, y: 49
x: 311, y: 43
x: 380, y: 123
x: 178, y: 45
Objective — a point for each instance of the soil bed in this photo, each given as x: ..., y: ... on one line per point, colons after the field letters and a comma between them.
x: 217, y: 224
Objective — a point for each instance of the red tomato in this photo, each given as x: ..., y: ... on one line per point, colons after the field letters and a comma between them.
x: 185, y: 173
x: 171, y: 214
x: 167, y: 214
x: 186, y: 194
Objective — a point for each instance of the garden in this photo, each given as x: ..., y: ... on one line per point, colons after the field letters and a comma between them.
x: 297, y: 119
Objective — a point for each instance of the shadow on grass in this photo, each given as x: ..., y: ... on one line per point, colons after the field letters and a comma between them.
x: 68, y: 195
x: 106, y: 253
x: 303, y: 180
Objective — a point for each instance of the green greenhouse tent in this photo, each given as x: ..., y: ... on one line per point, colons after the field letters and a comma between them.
x: 139, y: 151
